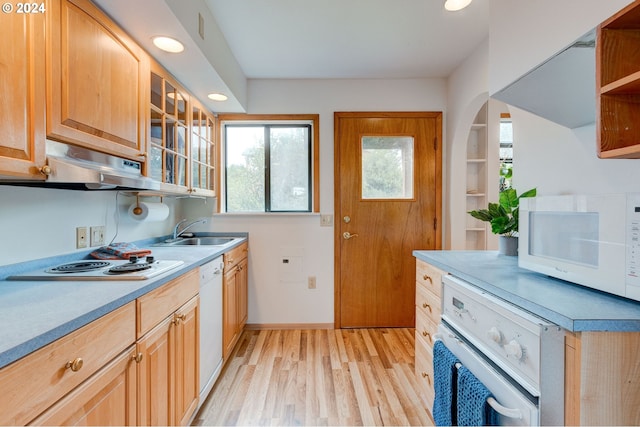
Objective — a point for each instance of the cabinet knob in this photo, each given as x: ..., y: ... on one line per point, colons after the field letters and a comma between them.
x: 137, y: 357
x: 177, y: 318
x: 425, y: 305
x: 427, y: 277
x: 426, y: 334
x: 75, y: 365
x: 45, y: 170
x: 425, y: 375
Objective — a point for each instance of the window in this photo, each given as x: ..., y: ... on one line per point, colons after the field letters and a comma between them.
x: 506, y: 151
x: 269, y: 165
x: 387, y: 167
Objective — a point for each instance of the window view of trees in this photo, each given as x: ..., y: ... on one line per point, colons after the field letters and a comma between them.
x: 387, y: 167
x: 268, y: 168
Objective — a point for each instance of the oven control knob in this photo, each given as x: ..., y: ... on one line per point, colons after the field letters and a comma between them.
x: 150, y: 259
x: 514, y: 349
x: 495, y: 335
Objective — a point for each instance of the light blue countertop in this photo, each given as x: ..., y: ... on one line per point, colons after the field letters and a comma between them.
x: 573, y: 307
x: 36, y: 313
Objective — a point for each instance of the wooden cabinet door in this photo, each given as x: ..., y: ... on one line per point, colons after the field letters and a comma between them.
x: 23, y: 93
x: 243, y: 294
x: 97, y: 83
x: 107, y: 398
x: 230, y: 312
x: 187, y: 373
x: 155, y: 376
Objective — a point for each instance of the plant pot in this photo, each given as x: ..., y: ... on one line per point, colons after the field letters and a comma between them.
x: 508, y: 245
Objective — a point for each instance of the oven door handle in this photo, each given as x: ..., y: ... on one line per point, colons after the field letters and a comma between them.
x: 504, y: 411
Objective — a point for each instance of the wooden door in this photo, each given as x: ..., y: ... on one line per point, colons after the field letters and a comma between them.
x: 107, y: 398
x: 155, y: 377
x: 187, y: 374
x: 97, y: 87
x: 22, y: 86
x: 230, y: 312
x: 242, y: 279
x: 388, y: 169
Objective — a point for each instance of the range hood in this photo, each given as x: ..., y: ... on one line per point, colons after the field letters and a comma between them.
x: 78, y: 168
x: 562, y: 89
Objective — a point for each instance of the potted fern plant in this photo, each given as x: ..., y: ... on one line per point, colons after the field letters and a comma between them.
x: 503, y: 217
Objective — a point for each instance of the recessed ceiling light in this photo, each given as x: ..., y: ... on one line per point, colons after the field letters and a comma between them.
x: 217, y: 97
x: 168, y: 44
x: 454, y: 5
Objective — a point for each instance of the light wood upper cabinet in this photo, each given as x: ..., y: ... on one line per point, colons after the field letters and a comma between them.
x: 97, y: 81
x: 23, y: 92
x: 169, y: 131
x: 618, y: 84
x: 203, y: 151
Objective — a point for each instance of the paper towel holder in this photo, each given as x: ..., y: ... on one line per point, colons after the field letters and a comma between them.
x: 137, y: 210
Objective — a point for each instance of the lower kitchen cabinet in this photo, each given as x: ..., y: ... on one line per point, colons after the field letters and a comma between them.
x: 168, y: 375
x: 602, y: 378
x: 428, y: 310
x: 107, y: 398
x: 92, y: 358
x: 234, y: 297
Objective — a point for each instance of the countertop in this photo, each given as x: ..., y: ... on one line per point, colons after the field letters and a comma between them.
x: 36, y: 313
x: 573, y: 307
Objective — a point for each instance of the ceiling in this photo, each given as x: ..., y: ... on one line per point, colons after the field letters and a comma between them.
x: 301, y: 39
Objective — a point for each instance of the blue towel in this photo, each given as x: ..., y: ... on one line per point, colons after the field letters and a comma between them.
x: 473, y: 409
x: 444, y: 383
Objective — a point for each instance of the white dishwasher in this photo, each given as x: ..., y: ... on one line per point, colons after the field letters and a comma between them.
x: 210, y: 325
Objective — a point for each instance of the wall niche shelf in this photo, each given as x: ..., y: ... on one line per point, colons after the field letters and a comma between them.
x: 476, y: 187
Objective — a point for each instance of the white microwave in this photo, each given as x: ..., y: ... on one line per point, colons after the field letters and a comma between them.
x: 591, y: 240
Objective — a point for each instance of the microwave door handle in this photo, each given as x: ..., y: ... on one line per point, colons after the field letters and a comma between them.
x: 504, y: 411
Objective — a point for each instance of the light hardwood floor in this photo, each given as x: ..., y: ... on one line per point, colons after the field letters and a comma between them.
x: 318, y: 377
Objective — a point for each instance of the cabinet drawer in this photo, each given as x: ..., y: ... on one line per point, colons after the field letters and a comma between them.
x: 425, y: 328
x: 235, y: 255
x: 35, y: 382
x: 424, y: 371
x: 429, y: 276
x: 160, y: 303
x: 427, y: 305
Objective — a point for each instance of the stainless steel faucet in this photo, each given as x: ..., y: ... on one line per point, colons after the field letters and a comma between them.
x: 176, y: 234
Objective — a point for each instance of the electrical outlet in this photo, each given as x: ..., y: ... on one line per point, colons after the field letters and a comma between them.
x: 97, y: 235
x: 312, y: 282
x: 81, y: 237
x: 326, y: 220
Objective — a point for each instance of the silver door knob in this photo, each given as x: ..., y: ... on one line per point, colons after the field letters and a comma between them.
x: 347, y: 219
x: 348, y: 235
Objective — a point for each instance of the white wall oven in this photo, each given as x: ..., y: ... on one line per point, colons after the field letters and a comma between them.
x: 518, y: 357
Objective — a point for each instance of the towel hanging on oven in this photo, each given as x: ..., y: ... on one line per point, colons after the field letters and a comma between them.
x: 444, y: 384
x: 471, y: 401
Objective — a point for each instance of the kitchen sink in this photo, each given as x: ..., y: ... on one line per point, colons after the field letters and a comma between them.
x: 198, y: 241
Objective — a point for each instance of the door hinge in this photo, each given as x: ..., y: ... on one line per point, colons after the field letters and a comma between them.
x: 435, y: 143
x: 435, y: 223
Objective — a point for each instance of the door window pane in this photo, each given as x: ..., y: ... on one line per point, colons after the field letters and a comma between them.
x: 387, y: 167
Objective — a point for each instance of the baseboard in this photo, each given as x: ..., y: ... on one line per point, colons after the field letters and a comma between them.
x: 265, y: 326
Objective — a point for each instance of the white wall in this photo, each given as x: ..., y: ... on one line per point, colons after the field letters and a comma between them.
x: 38, y: 223
x: 280, y: 296
x: 466, y: 94
x: 558, y: 160
x: 523, y: 34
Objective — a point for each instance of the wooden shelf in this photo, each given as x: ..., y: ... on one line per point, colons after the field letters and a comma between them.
x: 618, y: 79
